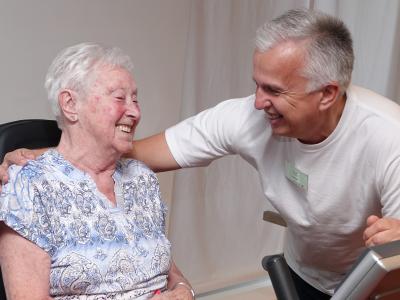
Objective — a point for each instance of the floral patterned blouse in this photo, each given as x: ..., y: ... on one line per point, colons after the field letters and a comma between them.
x: 97, y: 250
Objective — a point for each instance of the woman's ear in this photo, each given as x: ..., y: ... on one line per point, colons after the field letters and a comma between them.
x: 330, y: 93
x: 67, y: 100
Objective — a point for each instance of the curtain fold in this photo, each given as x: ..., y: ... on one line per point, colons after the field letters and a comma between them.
x: 374, y: 26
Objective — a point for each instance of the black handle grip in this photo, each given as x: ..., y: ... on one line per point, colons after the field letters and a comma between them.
x: 281, y: 278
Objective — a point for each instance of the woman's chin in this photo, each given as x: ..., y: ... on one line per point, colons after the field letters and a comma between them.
x: 124, y: 149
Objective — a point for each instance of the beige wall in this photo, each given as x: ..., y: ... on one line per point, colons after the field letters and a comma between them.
x: 153, y: 32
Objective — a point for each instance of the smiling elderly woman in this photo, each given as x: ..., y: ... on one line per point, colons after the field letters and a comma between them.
x: 79, y: 222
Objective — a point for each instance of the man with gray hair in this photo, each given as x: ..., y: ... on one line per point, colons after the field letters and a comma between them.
x: 327, y: 152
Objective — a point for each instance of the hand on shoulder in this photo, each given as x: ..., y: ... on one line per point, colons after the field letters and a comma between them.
x: 17, y: 157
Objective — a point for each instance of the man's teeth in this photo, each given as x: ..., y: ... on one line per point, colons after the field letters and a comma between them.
x: 124, y: 128
x: 274, y: 117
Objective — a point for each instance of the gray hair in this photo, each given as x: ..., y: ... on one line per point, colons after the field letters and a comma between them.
x: 329, y: 46
x: 72, y: 67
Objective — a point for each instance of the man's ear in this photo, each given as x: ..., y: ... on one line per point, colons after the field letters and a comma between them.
x: 330, y: 93
x: 67, y: 100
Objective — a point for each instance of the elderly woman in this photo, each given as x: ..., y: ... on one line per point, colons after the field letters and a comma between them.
x: 80, y: 222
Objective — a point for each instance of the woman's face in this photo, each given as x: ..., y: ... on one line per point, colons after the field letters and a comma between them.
x: 110, y: 111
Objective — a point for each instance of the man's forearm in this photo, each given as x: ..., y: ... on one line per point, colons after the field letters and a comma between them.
x: 155, y: 153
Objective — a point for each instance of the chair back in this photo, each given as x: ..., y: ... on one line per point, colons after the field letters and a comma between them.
x: 29, y: 133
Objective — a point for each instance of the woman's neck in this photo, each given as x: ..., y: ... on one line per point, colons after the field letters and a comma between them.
x: 98, y: 165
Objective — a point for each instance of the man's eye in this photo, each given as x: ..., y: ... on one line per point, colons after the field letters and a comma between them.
x: 120, y: 97
x: 275, y: 93
x: 271, y: 91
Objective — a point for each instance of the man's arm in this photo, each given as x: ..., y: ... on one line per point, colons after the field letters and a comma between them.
x: 25, y: 267
x: 155, y: 153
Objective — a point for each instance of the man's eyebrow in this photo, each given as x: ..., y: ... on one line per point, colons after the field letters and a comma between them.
x: 273, y: 88
x: 268, y: 85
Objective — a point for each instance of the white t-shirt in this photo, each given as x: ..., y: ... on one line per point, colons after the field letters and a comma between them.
x: 333, y: 187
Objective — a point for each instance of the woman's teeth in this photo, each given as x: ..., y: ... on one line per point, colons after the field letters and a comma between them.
x: 124, y: 128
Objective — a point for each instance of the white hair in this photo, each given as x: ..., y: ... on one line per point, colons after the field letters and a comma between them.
x: 72, y: 67
x: 328, y: 45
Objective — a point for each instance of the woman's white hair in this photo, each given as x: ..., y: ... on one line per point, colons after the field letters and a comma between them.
x: 328, y: 42
x: 72, y: 67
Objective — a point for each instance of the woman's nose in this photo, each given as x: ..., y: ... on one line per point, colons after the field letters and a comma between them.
x: 133, y: 110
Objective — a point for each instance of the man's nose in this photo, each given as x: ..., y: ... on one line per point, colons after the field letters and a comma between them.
x: 262, y: 101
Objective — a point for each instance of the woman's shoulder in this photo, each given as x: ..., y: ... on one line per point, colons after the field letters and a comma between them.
x: 31, y: 170
x: 26, y: 177
x: 133, y: 167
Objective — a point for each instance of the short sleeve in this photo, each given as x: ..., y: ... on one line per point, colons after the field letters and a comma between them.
x: 22, y: 210
x: 209, y: 135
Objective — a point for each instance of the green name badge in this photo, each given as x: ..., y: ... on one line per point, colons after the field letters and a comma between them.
x: 296, y: 176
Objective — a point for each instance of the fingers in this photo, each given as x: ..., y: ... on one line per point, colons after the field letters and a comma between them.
x: 3, y: 172
x: 371, y: 229
x: 381, y: 230
x: 19, y: 157
x: 376, y: 239
x: 373, y: 233
x: 25, y: 154
x: 3, y: 175
x: 372, y: 219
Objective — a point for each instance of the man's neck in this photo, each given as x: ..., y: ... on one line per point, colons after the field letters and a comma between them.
x: 328, y: 122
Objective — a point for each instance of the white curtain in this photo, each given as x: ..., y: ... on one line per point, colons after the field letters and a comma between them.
x: 376, y: 36
x: 216, y: 225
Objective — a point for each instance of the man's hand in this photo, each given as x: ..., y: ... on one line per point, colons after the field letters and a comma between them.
x: 178, y: 293
x: 381, y: 230
x: 18, y: 157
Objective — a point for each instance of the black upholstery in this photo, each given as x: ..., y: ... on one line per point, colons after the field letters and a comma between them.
x: 33, y: 133
x: 30, y: 133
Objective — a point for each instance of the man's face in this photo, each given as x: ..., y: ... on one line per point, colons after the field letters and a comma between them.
x: 281, y: 92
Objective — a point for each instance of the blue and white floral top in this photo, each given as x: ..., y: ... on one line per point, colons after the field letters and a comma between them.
x: 97, y: 250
